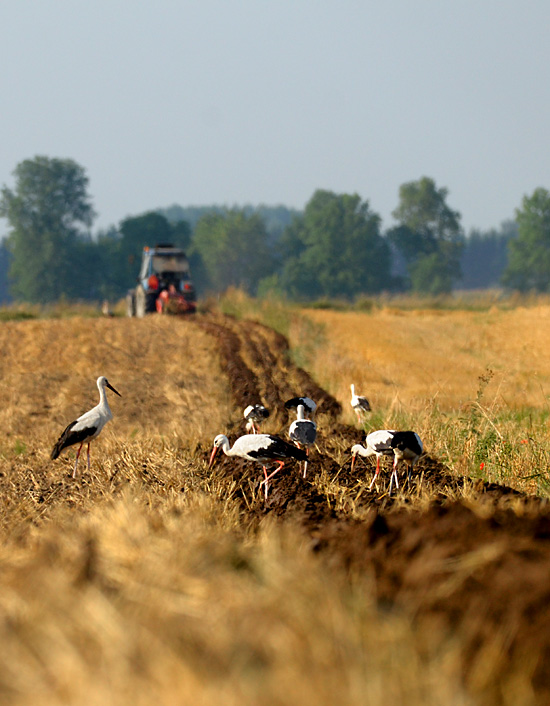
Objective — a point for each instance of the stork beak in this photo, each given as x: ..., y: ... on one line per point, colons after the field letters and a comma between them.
x: 107, y: 384
x: 353, y: 459
x: 212, y: 456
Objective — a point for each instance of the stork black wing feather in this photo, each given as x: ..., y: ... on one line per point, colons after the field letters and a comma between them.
x: 70, y: 437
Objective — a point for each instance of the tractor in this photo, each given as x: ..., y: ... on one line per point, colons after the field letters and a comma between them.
x: 164, y: 283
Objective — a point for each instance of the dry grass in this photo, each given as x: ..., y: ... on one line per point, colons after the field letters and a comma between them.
x: 143, y: 581
x: 475, y: 385
x: 437, y: 355
x: 140, y: 582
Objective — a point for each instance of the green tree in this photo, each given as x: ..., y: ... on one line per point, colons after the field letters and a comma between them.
x: 485, y: 256
x: 429, y: 236
x: 529, y: 253
x: 233, y: 249
x: 335, y: 249
x: 4, y: 267
x: 48, y: 212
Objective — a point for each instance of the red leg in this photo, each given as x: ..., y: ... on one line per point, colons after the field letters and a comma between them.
x: 76, y: 459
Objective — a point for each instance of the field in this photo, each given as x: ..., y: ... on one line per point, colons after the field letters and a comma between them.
x: 150, y: 578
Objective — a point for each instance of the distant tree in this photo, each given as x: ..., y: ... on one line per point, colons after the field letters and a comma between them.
x: 48, y: 211
x: 334, y: 250
x: 529, y: 254
x: 233, y: 249
x: 485, y: 256
x: 276, y: 218
x: 429, y: 236
x: 4, y: 267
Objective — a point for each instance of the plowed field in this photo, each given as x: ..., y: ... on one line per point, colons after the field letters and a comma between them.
x: 466, y: 562
x: 484, y: 574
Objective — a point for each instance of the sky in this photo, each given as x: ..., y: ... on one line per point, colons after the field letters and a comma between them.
x: 236, y: 102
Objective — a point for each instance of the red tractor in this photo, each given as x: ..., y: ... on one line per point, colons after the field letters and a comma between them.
x: 164, y: 284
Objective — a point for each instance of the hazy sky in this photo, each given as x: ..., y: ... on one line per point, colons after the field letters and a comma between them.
x: 256, y: 101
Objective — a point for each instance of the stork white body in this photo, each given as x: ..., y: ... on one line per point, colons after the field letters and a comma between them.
x: 262, y: 448
x: 407, y: 446
x: 255, y: 414
x: 88, y: 426
x: 377, y: 443
x: 303, y: 432
x: 308, y: 404
x: 359, y: 404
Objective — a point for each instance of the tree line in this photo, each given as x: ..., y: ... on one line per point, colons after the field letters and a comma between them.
x: 334, y: 248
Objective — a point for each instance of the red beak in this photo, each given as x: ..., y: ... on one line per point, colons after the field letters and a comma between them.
x: 213, y: 456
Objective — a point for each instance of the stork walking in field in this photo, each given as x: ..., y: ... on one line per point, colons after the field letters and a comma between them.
x: 303, y: 432
x: 262, y: 448
x: 88, y: 426
x: 359, y: 404
x: 377, y: 443
x: 255, y: 414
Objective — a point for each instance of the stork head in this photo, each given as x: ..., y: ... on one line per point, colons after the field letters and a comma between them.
x: 102, y: 383
x: 354, y: 451
x: 219, y: 441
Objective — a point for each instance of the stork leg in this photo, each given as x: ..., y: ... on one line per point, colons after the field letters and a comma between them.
x: 88, y: 456
x: 305, y: 462
x: 394, y: 477
x: 266, y: 479
x: 76, y: 459
x: 270, y: 476
x: 373, y: 481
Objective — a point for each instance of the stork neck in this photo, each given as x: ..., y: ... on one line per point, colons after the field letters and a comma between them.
x: 103, y: 397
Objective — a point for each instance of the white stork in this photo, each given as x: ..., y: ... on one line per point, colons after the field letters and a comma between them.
x: 303, y: 432
x: 359, y: 404
x: 378, y: 443
x: 88, y: 426
x: 308, y: 404
x: 262, y: 448
x: 407, y: 446
x: 255, y: 415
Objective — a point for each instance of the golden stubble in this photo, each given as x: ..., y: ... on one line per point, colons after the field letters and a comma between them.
x: 414, y: 356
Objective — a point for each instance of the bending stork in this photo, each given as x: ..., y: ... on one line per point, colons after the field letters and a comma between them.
x: 262, y: 448
x: 378, y: 443
x: 88, y: 426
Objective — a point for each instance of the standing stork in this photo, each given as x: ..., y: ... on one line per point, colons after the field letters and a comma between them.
x: 407, y: 446
x: 303, y: 432
x: 308, y: 404
x: 378, y: 443
x: 255, y: 415
x: 88, y: 426
x: 359, y: 404
x: 261, y: 448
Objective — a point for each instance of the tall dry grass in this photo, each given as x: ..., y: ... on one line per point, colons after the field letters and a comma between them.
x: 475, y: 385
x: 141, y: 581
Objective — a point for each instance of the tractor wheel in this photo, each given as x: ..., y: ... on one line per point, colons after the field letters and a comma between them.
x: 145, y: 303
x: 131, y: 304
